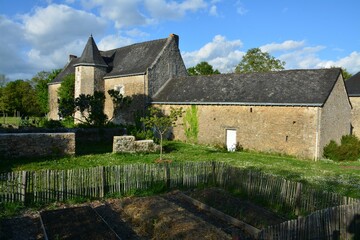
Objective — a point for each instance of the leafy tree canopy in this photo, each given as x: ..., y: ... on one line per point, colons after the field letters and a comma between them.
x: 20, y: 96
x: 257, y: 61
x: 66, y: 96
x: 91, y: 108
x: 41, y: 80
x: 119, y: 101
x: 346, y: 74
x: 203, y: 68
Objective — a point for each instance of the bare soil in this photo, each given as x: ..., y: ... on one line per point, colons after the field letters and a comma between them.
x: 167, y: 216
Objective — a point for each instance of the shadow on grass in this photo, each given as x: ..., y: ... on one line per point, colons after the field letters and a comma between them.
x: 171, y: 146
x: 89, y: 147
x: 12, y: 164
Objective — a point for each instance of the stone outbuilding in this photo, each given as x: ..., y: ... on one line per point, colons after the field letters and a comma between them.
x: 137, y: 70
x: 353, y: 89
x: 295, y: 112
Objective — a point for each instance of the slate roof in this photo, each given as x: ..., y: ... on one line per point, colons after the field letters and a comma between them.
x: 91, y: 55
x: 133, y: 59
x: 129, y: 60
x: 353, y: 85
x: 68, y: 69
x: 290, y: 87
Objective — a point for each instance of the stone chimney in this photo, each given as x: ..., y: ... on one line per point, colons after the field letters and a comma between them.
x: 176, y: 37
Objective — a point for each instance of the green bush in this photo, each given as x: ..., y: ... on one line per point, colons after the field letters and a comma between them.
x: 348, y: 150
x: 140, y: 134
x: 50, y: 123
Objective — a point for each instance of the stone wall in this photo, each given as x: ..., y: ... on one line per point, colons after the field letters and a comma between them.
x: 133, y: 86
x: 169, y: 64
x: 287, y: 130
x: 127, y: 144
x: 335, y: 116
x: 87, y: 80
x: 355, y: 115
x: 36, y: 145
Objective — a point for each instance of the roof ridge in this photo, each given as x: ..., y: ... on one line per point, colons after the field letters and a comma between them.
x: 131, y: 45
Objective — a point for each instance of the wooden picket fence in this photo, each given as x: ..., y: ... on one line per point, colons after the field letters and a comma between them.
x: 341, y: 222
x: 292, y: 197
x: 97, y: 182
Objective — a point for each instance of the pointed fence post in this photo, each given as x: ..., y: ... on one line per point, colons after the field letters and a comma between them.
x: 167, y: 174
x: 298, y: 199
x: 23, y: 187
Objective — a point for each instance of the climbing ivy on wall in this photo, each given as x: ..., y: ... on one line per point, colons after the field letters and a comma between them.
x: 191, y: 124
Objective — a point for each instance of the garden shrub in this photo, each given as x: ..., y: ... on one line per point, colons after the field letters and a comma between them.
x: 140, y: 133
x: 349, y: 149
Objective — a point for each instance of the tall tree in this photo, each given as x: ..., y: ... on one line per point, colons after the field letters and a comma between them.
x: 20, y: 96
x: 66, y: 96
x: 257, y: 61
x: 41, y: 80
x: 202, y: 68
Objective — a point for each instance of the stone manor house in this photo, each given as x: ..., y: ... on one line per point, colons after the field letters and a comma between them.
x: 295, y: 112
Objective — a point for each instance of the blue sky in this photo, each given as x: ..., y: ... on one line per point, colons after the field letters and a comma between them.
x: 39, y: 35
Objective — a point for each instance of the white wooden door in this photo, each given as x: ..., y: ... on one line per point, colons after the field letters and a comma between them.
x: 231, y: 140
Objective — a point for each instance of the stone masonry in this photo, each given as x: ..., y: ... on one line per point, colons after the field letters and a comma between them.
x: 14, y: 145
x: 127, y: 144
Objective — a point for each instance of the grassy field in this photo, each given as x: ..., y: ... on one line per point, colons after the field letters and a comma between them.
x: 340, y: 177
x: 10, y: 120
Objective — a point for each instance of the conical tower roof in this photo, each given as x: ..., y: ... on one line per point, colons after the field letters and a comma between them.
x: 91, y: 55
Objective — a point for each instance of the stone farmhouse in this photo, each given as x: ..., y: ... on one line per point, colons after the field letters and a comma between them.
x: 353, y: 89
x: 138, y: 70
x: 295, y: 112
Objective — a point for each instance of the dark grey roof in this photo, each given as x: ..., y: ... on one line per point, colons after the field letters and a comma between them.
x: 133, y: 59
x: 91, y: 55
x: 353, y: 85
x: 290, y: 87
x: 68, y: 69
x: 129, y: 60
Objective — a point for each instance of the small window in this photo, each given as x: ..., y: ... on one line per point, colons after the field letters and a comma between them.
x: 120, y: 89
x: 251, y: 109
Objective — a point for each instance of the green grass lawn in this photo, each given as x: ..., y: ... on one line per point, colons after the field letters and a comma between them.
x: 340, y: 177
x: 10, y: 120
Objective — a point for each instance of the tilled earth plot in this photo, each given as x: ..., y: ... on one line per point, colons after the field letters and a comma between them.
x: 167, y: 216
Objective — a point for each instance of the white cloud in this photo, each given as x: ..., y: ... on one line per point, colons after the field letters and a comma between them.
x: 284, y: 46
x: 350, y: 62
x: 136, y: 33
x: 224, y: 55
x: 56, y: 58
x: 240, y: 8
x: 162, y: 9
x: 43, y: 39
x: 12, y: 44
x: 221, y: 53
x: 58, y: 25
x: 213, y: 11
x: 114, y: 41
x: 130, y: 13
x: 124, y: 13
x: 305, y: 57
